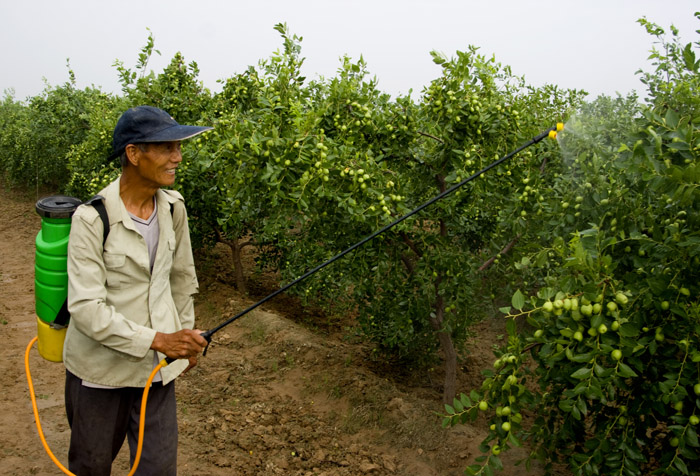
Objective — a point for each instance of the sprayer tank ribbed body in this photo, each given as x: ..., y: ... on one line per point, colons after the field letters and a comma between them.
x: 50, y: 272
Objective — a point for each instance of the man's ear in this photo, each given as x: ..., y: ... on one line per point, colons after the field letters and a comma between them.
x: 132, y: 154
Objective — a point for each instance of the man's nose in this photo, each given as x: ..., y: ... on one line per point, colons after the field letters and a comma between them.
x: 176, y: 154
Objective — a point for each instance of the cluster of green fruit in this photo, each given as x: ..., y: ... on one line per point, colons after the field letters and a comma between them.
x: 578, y: 314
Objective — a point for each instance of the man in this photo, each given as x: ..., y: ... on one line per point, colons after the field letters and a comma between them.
x: 130, y: 300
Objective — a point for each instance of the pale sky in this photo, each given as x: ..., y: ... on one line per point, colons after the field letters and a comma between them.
x: 595, y: 45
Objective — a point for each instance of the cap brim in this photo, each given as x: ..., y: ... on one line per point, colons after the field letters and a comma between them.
x: 178, y: 132
x: 174, y: 133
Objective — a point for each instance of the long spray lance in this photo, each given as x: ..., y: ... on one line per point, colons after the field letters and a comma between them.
x: 551, y: 133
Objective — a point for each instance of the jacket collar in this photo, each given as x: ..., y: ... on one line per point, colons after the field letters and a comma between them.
x: 117, y: 212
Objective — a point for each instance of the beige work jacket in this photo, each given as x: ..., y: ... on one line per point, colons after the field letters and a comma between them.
x: 115, y: 302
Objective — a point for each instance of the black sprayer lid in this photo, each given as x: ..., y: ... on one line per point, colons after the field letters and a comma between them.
x: 57, y: 206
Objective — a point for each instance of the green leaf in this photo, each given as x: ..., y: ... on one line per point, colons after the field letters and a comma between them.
x: 625, y: 371
x: 518, y: 300
x: 581, y: 358
x: 633, y: 453
x: 575, y: 413
x: 678, y: 463
x: 679, y: 145
x: 600, y: 371
x: 691, y: 437
x: 582, y: 373
x: 629, y: 329
x: 593, y: 392
x: 671, y: 119
x: 473, y: 469
x: 514, y: 440
x: 438, y: 58
x: 581, y: 405
x: 565, y: 405
x: 689, y: 58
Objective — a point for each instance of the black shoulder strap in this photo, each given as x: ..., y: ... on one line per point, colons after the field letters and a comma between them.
x: 98, y: 202
x: 63, y: 317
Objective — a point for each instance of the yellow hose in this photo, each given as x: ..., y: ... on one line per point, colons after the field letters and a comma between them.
x: 142, y: 417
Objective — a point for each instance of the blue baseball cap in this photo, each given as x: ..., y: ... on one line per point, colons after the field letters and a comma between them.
x: 149, y: 124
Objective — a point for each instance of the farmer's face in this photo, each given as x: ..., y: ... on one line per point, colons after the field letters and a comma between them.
x: 158, y: 161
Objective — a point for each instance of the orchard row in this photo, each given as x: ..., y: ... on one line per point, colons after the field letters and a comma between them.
x: 593, y: 239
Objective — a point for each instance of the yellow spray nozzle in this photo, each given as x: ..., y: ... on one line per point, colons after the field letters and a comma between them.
x: 552, y: 134
x: 560, y: 126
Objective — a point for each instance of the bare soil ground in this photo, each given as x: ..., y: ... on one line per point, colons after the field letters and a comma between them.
x: 273, y: 396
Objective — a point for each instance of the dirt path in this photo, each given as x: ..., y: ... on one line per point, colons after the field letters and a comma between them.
x: 270, y: 397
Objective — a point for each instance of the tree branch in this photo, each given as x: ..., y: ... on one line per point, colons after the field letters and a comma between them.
x: 431, y: 136
x: 505, y: 250
x: 408, y: 264
x: 411, y: 244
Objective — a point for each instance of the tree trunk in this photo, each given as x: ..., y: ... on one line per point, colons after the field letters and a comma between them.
x: 236, y: 247
x: 449, y: 353
x: 444, y: 337
x: 450, y: 387
x: 448, y: 349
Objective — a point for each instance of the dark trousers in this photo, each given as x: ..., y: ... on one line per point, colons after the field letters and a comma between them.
x: 100, y: 420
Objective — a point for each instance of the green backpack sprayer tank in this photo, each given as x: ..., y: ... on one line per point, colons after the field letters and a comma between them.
x: 50, y: 273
